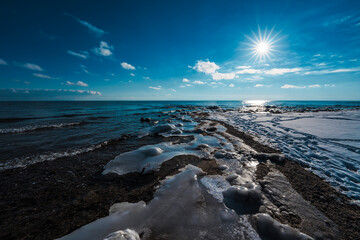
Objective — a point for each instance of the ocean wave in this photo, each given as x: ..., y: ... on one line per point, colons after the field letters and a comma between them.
x: 29, y: 160
x: 31, y: 128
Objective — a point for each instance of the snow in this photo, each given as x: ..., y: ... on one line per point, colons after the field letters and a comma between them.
x: 328, y: 143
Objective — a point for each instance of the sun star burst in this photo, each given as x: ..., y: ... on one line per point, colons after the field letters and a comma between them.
x: 262, y: 45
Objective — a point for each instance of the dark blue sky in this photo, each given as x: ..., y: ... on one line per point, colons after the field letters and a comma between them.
x: 179, y: 50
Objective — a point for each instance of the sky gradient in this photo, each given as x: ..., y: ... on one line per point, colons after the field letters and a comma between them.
x: 179, y: 50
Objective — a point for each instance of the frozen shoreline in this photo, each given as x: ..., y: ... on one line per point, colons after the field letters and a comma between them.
x: 231, y: 185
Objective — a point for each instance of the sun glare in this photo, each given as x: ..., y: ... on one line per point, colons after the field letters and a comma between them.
x: 262, y: 45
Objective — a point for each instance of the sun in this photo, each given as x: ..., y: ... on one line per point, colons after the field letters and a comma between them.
x: 262, y: 47
x: 262, y: 44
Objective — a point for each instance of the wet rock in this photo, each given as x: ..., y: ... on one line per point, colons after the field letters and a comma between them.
x: 211, y: 129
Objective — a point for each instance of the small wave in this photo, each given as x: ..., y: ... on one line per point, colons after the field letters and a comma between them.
x: 29, y: 160
x: 37, y: 127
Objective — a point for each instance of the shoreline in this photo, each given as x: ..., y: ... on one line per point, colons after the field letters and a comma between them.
x: 76, y: 193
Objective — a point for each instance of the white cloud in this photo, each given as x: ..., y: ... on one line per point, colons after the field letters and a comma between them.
x: 32, y: 66
x: 173, y: 90
x: 206, y: 67
x: 320, y: 64
x: 39, y: 75
x: 248, y: 71
x: 188, y: 85
x: 26, y: 82
x: 82, y: 54
x: 243, y: 67
x: 259, y: 85
x: 292, y: 86
x: 99, y: 32
x: 132, y: 74
x: 198, y: 82
x: 281, y: 71
x: 351, y: 60
x: 223, y: 76
x: 317, y: 55
x: 253, y: 78
x: 3, y: 62
x: 231, y: 85
x: 185, y: 80
x: 341, y: 70
x: 127, y: 66
x: 182, y: 86
x: 104, y: 49
x: 147, y: 78
x: 156, y: 88
x: 78, y: 83
x: 314, y: 86
x: 329, y: 85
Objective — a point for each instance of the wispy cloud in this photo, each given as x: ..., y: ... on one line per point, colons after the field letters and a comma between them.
x: 32, y: 66
x: 82, y: 54
x: 281, y: 71
x: 104, y: 50
x: 223, y: 76
x: 39, y: 75
x: 231, y: 85
x: 340, y: 70
x: 131, y: 74
x: 156, y: 88
x: 185, y: 80
x: 248, y: 71
x: 259, y: 85
x: 337, y: 21
x: 97, y: 31
x: 292, y: 86
x: 314, y: 86
x: 127, y: 66
x: 26, y: 90
x: 78, y: 83
x: 3, y: 62
x: 243, y: 67
x: 198, y: 82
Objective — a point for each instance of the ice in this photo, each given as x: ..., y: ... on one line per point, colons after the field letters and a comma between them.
x: 181, y: 209
x: 149, y: 158
x: 127, y: 234
x: 326, y: 127
x: 270, y: 229
x: 243, y: 200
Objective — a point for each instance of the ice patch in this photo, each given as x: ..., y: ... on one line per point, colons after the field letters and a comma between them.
x: 181, y: 209
x: 270, y: 229
x: 149, y: 158
x: 127, y: 234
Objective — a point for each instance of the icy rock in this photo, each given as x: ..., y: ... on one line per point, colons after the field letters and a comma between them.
x: 223, y: 154
x: 270, y: 229
x: 203, y: 146
x: 162, y: 129
x: 271, y: 156
x: 243, y: 200
x: 125, y: 206
x: 223, y: 167
x: 127, y: 234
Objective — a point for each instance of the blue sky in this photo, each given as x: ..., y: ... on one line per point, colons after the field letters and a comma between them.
x: 179, y: 50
